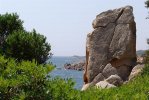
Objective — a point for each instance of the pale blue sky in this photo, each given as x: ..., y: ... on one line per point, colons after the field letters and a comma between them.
x: 66, y: 23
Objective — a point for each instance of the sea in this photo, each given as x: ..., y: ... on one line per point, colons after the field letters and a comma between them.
x: 60, y: 71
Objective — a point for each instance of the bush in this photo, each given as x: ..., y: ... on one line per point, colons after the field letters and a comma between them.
x: 18, y: 43
x: 27, y: 80
x: 27, y: 46
x: 147, y: 3
x: 30, y: 81
x: 8, y: 24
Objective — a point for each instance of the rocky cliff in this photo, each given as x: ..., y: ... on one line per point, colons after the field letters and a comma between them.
x: 111, y: 47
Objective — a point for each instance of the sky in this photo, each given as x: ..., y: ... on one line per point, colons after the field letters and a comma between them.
x: 66, y: 23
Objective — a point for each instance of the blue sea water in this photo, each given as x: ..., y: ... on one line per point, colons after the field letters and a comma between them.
x: 77, y: 76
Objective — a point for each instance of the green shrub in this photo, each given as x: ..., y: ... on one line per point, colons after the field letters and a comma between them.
x: 8, y: 24
x: 18, y: 43
x: 147, y: 3
x: 27, y: 46
x: 27, y: 80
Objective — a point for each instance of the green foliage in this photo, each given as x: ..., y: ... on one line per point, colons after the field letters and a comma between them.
x: 147, y: 6
x: 147, y: 3
x: 27, y: 80
x: 8, y: 24
x: 27, y: 46
x: 18, y: 43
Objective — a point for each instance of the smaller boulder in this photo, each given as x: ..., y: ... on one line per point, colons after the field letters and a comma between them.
x: 136, y: 71
x: 104, y: 84
x: 115, y: 80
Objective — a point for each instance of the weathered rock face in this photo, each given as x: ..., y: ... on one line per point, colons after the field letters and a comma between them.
x: 111, y: 47
x: 115, y: 80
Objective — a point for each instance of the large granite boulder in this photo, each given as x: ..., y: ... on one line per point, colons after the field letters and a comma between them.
x: 111, y: 47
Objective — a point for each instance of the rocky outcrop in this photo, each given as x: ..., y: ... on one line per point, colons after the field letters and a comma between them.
x: 76, y: 66
x: 111, y: 47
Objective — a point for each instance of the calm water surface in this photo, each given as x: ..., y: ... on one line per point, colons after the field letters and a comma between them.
x: 77, y: 76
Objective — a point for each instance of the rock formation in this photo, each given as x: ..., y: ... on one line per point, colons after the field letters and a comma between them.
x: 111, y: 47
x: 79, y: 66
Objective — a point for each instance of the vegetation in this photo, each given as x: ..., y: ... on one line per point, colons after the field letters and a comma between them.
x: 147, y: 3
x: 27, y: 46
x: 8, y: 24
x: 18, y: 43
x: 30, y: 81
x: 22, y: 78
x: 27, y: 80
x: 147, y: 6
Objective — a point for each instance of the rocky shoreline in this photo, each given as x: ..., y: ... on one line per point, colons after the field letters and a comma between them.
x: 79, y: 66
x: 75, y: 66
